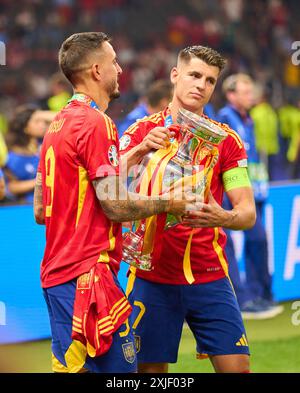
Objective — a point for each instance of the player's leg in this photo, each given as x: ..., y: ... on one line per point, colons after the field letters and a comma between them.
x: 72, y: 354
x: 58, y: 365
x: 230, y: 363
x: 241, y: 289
x: 67, y: 356
x: 121, y: 356
x: 156, y: 321
x: 256, y: 239
x: 213, y: 314
x: 153, y: 368
x: 256, y: 258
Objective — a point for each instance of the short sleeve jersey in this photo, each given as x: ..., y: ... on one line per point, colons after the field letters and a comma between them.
x: 80, y: 145
x: 207, y: 258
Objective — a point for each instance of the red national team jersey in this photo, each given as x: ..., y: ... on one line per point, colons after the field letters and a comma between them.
x: 207, y: 259
x: 78, y: 233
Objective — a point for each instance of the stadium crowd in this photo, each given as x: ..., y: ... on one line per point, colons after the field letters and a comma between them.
x: 32, y: 31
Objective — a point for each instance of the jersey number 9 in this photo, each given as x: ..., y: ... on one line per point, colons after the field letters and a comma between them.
x: 50, y: 174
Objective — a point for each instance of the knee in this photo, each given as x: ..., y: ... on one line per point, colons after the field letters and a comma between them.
x: 243, y: 366
x: 231, y: 363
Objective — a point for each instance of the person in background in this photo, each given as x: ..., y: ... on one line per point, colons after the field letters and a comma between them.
x: 266, y: 130
x: 158, y: 96
x: 3, y: 150
x: 209, y: 111
x: 2, y: 185
x: 289, y: 119
x: 61, y: 92
x: 256, y: 299
x: 26, y: 130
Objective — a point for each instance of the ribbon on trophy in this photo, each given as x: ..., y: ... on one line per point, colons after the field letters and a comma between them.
x: 152, y: 185
x: 207, y: 175
x: 155, y: 169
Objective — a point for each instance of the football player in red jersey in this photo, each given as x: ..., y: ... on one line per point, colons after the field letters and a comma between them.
x: 77, y: 197
x: 192, y: 284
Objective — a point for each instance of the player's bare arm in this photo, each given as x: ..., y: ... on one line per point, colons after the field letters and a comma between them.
x: 242, y: 216
x: 156, y: 139
x: 38, y: 200
x: 126, y: 206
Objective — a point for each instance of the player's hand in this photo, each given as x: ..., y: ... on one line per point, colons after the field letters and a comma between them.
x: 180, y: 207
x: 182, y: 199
x: 186, y: 185
x: 209, y: 215
x: 157, y: 138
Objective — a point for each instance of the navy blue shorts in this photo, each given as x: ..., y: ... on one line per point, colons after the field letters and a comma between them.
x: 210, y: 310
x: 70, y: 355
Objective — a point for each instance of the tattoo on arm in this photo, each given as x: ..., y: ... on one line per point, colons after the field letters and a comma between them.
x: 120, y: 205
x: 38, y: 200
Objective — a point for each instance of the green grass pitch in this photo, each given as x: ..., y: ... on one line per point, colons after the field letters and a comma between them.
x: 274, y: 345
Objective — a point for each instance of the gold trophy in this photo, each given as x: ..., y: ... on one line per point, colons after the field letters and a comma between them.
x: 190, y: 157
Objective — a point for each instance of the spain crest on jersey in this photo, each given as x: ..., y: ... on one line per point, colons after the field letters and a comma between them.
x: 129, y: 352
x: 113, y: 155
x: 84, y: 281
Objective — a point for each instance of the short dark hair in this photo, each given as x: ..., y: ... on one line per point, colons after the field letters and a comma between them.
x: 75, y: 49
x: 17, y: 125
x: 204, y: 53
x: 158, y: 90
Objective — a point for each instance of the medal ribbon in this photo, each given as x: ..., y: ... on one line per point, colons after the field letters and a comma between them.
x: 81, y: 97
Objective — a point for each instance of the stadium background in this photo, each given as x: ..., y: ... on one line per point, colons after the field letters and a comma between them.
x: 255, y: 36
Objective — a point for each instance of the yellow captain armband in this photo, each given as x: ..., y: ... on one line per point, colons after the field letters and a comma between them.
x: 236, y: 178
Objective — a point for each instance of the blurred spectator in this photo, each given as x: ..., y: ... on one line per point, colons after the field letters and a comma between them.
x: 289, y: 118
x: 143, y: 74
x: 3, y: 150
x: 233, y: 10
x: 2, y: 185
x: 61, y: 90
x: 3, y: 124
x: 156, y: 99
x: 266, y: 129
x: 33, y: 31
x: 26, y: 129
x: 209, y: 111
x: 255, y: 299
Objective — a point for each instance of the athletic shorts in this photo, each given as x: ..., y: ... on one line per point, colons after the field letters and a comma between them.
x: 210, y: 310
x: 70, y: 355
